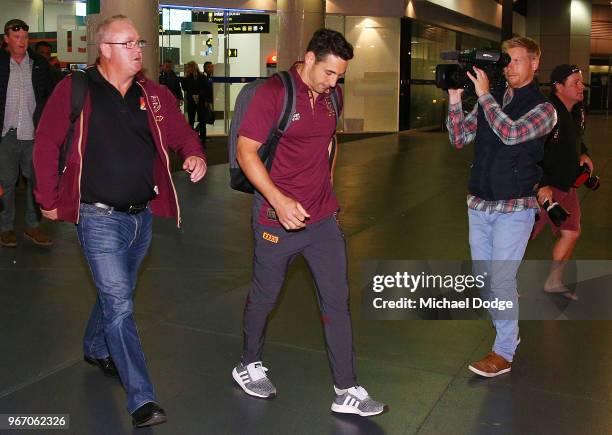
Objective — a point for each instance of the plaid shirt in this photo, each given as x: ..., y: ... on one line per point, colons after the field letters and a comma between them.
x: 503, y: 205
x: 538, y: 122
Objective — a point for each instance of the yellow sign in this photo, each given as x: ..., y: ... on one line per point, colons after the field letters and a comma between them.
x: 270, y: 237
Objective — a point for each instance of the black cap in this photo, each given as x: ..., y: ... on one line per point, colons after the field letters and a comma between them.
x: 561, y: 72
x: 14, y: 22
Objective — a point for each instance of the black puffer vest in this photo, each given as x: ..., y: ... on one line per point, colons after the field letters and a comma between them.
x: 501, y: 171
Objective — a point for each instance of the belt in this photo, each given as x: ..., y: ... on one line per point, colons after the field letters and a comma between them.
x: 130, y: 209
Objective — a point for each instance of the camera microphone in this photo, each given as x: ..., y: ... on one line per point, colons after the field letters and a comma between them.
x: 449, y: 55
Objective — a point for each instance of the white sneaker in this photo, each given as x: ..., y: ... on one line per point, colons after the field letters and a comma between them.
x: 355, y: 400
x: 253, y: 380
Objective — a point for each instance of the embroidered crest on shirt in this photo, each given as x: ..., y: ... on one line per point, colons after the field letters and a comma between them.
x: 295, y: 117
x: 159, y: 118
x: 555, y: 135
x: 155, y: 103
x: 143, y: 105
x: 271, y: 214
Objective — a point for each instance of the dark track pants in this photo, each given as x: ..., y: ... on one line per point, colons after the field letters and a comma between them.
x: 323, y: 247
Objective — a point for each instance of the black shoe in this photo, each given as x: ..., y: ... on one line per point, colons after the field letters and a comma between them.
x: 148, y: 414
x: 105, y: 364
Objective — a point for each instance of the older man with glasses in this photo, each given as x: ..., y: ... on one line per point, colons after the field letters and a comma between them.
x: 25, y: 85
x: 117, y: 175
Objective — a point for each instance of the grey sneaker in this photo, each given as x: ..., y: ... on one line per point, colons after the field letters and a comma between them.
x: 253, y: 380
x: 355, y: 400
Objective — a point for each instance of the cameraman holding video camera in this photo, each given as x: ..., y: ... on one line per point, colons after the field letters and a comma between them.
x: 561, y: 163
x: 509, y: 132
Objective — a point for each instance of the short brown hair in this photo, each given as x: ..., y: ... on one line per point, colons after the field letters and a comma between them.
x: 522, y: 41
x: 104, y: 25
x: 327, y: 41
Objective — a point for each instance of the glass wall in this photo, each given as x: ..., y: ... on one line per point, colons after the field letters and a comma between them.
x: 60, y: 23
x: 240, y: 44
x: 371, y: 87
x: 428, y: 104
x: 41, y: 16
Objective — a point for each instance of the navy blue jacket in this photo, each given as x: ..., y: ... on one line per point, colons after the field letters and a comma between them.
x: 42, y: 81
x: 499, y: 171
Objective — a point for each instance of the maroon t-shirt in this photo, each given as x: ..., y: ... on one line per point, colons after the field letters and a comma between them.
x: 301, y: 164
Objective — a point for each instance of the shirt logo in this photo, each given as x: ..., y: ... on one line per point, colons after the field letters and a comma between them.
x: 271, y: 214
x: 155, y: 103
x: 295, y: 117
x: 270, y: 237
x: 159, y: 118
x: 143, y: 105
x: 555, y: 137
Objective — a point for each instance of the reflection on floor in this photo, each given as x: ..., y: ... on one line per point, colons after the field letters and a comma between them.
x: 402, y: 197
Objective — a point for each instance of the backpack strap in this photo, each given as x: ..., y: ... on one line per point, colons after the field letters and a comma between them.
x: 336, y: 105
x: 79, y: 93
x: 284, y: 119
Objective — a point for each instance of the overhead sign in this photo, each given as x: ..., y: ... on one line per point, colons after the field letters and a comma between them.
x: 237, y: 22
x: 71, y: 39
x: 93, y: 7
x: 199, y: 42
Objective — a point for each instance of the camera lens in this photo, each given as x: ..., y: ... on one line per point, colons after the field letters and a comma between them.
x: 592, y: 182
x: 556, y: 213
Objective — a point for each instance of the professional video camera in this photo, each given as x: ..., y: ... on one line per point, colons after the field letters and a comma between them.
x: 453, y: 75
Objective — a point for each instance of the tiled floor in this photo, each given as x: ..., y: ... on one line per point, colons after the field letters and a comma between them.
x: 402, y: 197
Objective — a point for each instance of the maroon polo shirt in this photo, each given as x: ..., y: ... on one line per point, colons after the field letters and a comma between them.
x: 301, y: 164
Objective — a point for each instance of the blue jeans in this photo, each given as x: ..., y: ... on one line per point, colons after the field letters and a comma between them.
x: 16, y: 154
x: 498, y: 242
x: 114, y: 245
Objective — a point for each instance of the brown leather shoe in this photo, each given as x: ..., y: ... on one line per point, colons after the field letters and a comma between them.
x: 491, y: 365
x: 8, y: 239
x: 37, y: 236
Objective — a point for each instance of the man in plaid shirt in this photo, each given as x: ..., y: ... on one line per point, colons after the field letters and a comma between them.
x: 509, y: 132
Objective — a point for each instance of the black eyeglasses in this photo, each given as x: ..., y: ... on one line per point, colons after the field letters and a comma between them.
x: 141, y: 43
x: 18, y: 27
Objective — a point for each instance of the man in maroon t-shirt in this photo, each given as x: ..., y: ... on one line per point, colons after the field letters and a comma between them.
x: 294, y: 212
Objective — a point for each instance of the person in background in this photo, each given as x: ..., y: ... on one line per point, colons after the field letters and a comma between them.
x: 206, y: 114
x: 25, y: 85
x: 45, y: 49
x: 192, y: 84
x: 168, y: 78
x: 564, y: 153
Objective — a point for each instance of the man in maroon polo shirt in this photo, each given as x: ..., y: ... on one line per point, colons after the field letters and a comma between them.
x: 294, y: 212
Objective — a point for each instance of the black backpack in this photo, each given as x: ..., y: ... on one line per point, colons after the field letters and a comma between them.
x: 79, y: 93
x: 239, y: 181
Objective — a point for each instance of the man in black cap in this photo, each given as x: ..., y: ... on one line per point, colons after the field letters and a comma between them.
x: 564, y: 153
x: 25, y: 85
